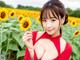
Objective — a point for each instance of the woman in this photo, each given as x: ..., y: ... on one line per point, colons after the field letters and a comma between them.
x: 48, y: 45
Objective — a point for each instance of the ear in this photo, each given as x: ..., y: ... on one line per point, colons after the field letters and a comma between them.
x: 63, y: 20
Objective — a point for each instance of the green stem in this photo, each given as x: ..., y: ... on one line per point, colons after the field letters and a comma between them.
x: 1, y: 36
x: 8, y: 42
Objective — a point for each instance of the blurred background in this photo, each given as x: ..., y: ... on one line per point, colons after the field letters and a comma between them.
x: 18, y: 16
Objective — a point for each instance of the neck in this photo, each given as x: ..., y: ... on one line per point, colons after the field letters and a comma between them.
x: 56, y: 34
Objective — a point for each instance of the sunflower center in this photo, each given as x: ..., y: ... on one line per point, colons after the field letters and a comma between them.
x: 25, y: 24
x: 77, y: 33
x: 20, y: 18
x: 12, y: 14
x: 73, y: 23
x: 3, y: 14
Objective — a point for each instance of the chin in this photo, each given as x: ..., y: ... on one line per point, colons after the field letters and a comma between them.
x: 50, y: 33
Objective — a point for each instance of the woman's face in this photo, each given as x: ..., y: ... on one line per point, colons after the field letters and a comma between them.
x: 51, y: 25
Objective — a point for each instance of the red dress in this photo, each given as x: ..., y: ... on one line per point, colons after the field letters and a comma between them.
x: 65, y: 55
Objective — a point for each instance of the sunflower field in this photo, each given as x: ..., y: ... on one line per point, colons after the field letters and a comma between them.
x: 13, y: 24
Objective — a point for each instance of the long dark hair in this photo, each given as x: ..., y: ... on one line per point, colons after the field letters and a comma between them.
x: 56, y: 7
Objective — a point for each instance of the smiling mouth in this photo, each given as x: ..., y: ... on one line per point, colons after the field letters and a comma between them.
x: 50, y: 30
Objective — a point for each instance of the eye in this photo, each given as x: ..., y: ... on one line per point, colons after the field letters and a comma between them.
x: 53, y: 20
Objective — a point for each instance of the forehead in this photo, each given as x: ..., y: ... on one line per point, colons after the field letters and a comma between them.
x: 48, y: 13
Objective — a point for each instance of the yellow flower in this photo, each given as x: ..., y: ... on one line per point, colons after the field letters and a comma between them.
x: 78, y: 21
x: 38, y: 18
x: 27, y: 13
x: 20, y: 17
x: 76, y: 33
x: 73, y: 23
x: 3, y: 15
x: 69, y: 20
x: 25, y: 24
x: 12, y: 14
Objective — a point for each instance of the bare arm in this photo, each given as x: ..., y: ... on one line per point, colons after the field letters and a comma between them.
x: 27, y: 39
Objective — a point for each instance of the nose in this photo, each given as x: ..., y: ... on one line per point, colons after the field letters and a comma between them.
x: 48, y: 24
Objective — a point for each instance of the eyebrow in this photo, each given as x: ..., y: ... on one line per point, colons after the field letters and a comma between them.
x: 51, y: 17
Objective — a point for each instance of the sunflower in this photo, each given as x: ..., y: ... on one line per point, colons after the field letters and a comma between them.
x: 27, y: 13
x: 73, y: 23
x: 78, y: 21
x: 25, y: 24
x: 20, y: 17
x: 38, y: 17
x: 12, y: 14
x: 69, y: 20
x: 76, y: 33
x: 3, y: 15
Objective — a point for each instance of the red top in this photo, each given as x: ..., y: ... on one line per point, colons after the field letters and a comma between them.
x: 65, y: 55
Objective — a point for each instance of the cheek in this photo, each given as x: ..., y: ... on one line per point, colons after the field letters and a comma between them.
x: 56, y: 25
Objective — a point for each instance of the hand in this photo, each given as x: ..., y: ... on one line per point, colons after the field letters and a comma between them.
x: 27, y: 39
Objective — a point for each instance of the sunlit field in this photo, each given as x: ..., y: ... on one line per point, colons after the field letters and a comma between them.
x: 13, y: 24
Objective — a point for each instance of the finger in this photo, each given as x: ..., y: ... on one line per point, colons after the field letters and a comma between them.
x: 27, y: 33
x: 27, y: 38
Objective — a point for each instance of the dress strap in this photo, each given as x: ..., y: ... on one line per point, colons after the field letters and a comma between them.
x: 34, y: 34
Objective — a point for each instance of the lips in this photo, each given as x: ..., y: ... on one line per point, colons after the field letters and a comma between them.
x: 50, y: 30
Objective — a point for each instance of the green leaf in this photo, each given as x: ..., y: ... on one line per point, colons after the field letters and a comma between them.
x: 14, y: 29
x: 12, y: 21
x: 0, y: 48
x: 4, y: 37
x: 75, y: 49
x: 7, y: 24
x: 18, y: 38
x: 13, y: 46
x: 20, y: 53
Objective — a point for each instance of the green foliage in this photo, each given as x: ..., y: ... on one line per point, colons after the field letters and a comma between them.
x: 11, y: 38
x: 68, y: 34
x: 2, y: 4
x: 36, y: 25
x: 74, y: 13
x: 28, y: 7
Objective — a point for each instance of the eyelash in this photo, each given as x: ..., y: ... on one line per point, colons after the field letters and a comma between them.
x: 45, y: 20
x: 53, y: 20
